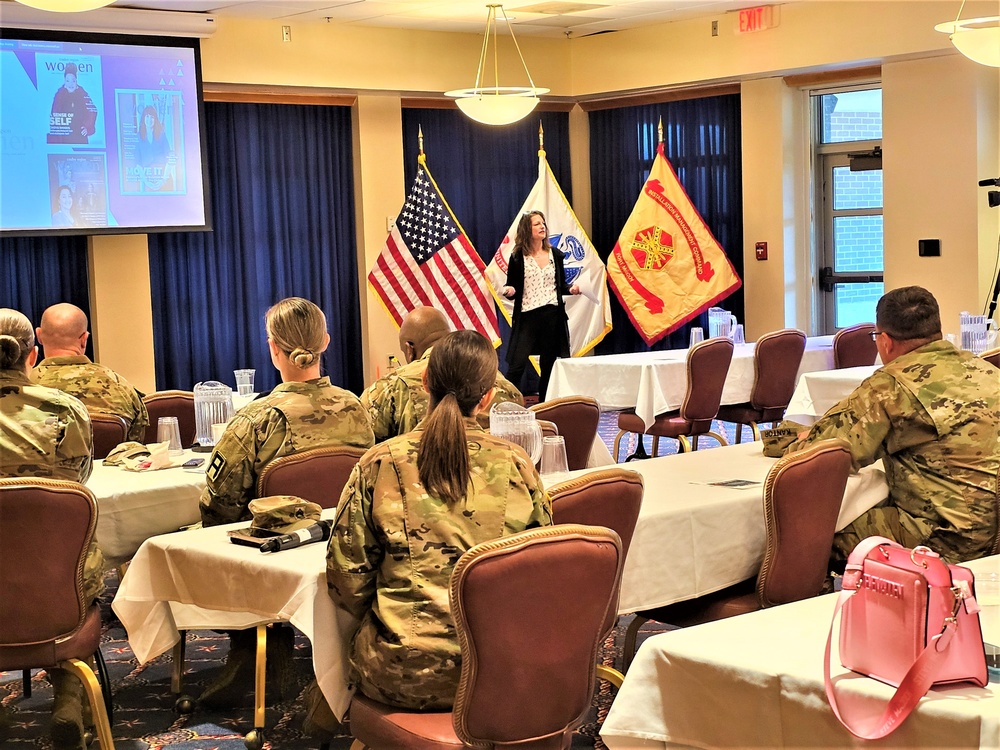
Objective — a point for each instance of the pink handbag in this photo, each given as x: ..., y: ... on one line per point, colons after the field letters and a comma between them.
x: 909, y: 620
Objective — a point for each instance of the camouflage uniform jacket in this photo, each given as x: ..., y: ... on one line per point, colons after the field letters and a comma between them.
x: 100, y: 388
x: 295, y: 417
x: 398, y: 401
x: 46, y: 433
x: 393, y: 549
x: 933, y: 416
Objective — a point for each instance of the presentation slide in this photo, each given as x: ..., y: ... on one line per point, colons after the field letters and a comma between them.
x: 96, y: 136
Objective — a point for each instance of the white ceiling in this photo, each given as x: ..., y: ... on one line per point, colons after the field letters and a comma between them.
x: 553, y: 18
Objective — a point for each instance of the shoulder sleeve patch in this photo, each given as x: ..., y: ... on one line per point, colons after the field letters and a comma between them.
x: 216, y: 467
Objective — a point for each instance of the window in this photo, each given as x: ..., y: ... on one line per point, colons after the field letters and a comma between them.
x: 848, y: 146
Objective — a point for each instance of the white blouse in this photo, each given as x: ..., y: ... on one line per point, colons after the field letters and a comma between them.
x: 539, y: 284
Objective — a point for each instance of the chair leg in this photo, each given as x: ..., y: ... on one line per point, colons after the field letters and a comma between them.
x: 93, y: 689
x: 618, y: 440
x: 739, y: 433
x: 610, y: 674
x: 631, y: 633
x: 26, y: 682
x: 105, y: 680
x: 721, y: 438
x: 756, y: 430
x: 685, y: 444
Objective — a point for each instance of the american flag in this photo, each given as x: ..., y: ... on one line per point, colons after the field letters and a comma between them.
x: 427, y: 260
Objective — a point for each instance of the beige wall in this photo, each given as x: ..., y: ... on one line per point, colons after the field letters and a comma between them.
x: 935, y: 101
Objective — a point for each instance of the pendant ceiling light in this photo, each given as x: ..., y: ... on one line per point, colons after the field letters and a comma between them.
x: 496, y: 104
x: 66, y: 6
x: 976, y: 38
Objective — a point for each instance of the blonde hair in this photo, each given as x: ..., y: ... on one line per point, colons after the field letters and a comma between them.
x: 298, y: 328
x: 462, y: 369
x: 17, y: 339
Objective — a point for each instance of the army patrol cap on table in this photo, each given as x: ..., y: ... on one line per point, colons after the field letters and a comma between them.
x: 283, y: 513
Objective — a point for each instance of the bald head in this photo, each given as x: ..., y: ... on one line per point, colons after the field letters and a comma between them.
x: 63, y: 331
x: 421, y: 327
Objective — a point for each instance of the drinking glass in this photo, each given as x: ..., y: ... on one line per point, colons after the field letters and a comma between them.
x: 554, y: 463
x: 244, y: 381
x: 697, y: 335
x: 738, y: 336
x: 169, y: 431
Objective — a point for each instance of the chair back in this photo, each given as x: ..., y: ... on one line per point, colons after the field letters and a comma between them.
x: 992, y: 356
x: 109, y: 431
x: 853, y: 346
x: 529, y: 642
x: 549, y: 429
x: 776, y: 359
x: 707, y: 367
x: 317, y: 475
x: 610, y: 498
x: 178, y: 404
x: 577, y: 418
x: 802, y: 497
x: 42, y: 582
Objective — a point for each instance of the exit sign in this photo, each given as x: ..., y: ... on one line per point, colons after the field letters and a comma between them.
x: 757, y: 19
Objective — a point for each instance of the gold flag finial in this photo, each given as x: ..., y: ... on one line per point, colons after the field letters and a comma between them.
x: 420, y: 139
x: 659, y: 130
x: 541, y: 139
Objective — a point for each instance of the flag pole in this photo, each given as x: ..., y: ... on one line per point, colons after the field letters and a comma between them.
x: 541, y: 139
x: 421, y: 159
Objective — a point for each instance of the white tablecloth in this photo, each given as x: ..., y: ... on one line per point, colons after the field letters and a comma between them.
x: 197, y: 579
x: 655, y: 382
x: 133, y: 506
x: 693, y: 538
x: 757, y: 681
x: 816, y: 392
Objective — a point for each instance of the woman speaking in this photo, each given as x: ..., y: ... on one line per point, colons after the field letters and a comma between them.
x: 536, y: 282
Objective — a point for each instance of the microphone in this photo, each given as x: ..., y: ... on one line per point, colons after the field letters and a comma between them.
x: 990, y: 183
x: 318, y: 532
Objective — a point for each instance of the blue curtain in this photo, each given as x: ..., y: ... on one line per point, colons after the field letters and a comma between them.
x: 283, y: 217
x: 702, y: 141
x: 36, y: 272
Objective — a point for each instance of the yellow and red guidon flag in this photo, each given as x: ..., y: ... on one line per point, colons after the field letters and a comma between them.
x: 667, y: 267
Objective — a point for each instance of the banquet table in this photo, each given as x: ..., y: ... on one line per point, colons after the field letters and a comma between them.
x: 695, y: 535
x: 198, y: 580
x: 133, y: 506
x: 816, y: 392
x: 763, y: 672
x: 655, y: 382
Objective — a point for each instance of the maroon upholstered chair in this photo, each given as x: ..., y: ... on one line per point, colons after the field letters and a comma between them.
x: 611, y: 498
x: 549, y: 429
x: 317, y: 475
x: 707, y: 367
x: 776, y: 360
x: 992, y: 356
x: 178, y: 404
x: 46, y: 621
x: 529, y: 644
x: 109, y: 431
x: 577, y: 418
x: 853, y: 346
x: 803, y: 493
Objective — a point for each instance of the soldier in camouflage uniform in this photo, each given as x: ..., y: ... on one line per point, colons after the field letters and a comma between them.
x: 932, y: 413
x: 413, y: 505
x: 305, y: 411
x: 46, y: 433
x: 397, y: 402
x: 63, y: 333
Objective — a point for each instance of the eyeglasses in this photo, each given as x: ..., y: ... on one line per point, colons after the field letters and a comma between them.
x: 875, y: 334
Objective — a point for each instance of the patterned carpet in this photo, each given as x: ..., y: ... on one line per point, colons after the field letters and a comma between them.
x: 144, y: 714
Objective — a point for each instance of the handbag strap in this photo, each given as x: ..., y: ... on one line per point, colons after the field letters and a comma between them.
x: 918, y: 678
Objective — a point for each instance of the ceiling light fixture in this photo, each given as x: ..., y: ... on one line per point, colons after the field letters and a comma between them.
x: 496, y: 104
x: 65, y: 6
x: 976, y: 38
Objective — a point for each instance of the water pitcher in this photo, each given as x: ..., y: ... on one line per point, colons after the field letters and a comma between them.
x: 213, y: 404
x: 516, y: 424
x: 720, y: 323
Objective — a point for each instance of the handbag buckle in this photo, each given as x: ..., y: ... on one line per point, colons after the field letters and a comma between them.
x: 923, y: 551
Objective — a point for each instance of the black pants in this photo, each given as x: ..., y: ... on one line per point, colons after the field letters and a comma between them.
x: 541, y: 331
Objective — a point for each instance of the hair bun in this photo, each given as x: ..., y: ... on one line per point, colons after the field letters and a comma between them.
x: 10, y: 351
x: 302, y: 357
